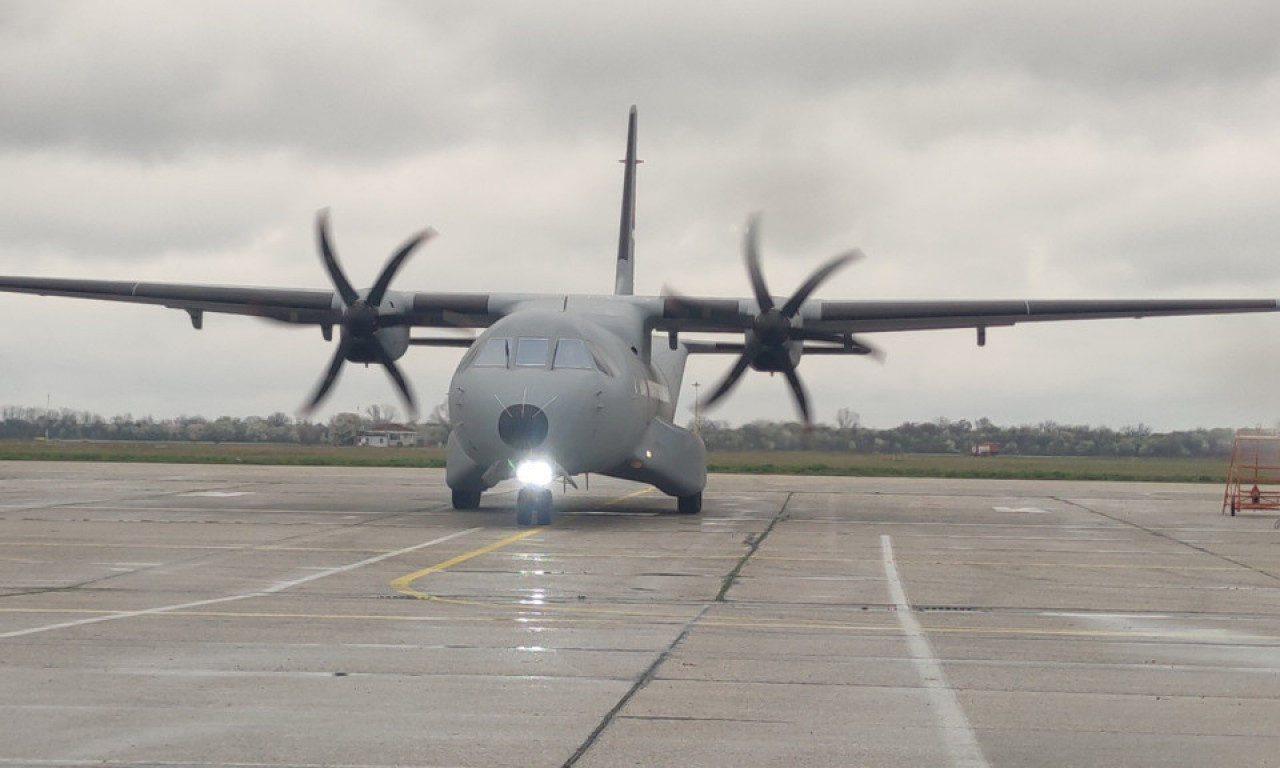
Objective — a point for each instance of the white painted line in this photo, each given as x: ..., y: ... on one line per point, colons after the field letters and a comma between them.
x: 275, y: 589
x: 218, y: 494
x: 123, y: 615
x: 280, y: 587
x: 957, y: 735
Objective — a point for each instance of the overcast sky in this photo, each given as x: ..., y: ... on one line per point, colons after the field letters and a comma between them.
x: 971, y: 149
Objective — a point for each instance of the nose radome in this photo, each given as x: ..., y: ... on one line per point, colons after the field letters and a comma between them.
x: 522, y: 426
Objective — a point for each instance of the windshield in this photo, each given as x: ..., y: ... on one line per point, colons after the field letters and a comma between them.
x: 532, y: 351
x: 572, y: 353
x: 493, y: 354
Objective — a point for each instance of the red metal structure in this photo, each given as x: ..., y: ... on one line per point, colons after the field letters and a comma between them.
x: 1253, y: 480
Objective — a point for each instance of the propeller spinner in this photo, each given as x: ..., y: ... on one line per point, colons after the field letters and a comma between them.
x: 771, y: 335
x: 362, y: 318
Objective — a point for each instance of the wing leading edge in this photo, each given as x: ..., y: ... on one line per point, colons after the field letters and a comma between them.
x: 301, y: 306
x: 479, y: 310
x: 726, y: 315
x: 867, y: 317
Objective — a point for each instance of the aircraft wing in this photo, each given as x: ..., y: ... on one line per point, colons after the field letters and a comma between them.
x: 302, y: 306
x: 865, y: 317
x: 479, y: 310
x: 847, y: 317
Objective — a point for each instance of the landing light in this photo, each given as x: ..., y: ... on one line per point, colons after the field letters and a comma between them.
x: 534, y: 472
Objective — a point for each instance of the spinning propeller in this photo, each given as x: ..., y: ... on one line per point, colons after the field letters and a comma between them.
x: 363, y: 320
x: 773, y: 340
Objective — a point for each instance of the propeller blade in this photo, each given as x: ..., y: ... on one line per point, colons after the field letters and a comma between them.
x: 771, y: 329
x: 816, y: 279
x: 330, y: 376
x: 727, y: 383
x: 797, y: 389
x: 339, y: 280
x: 393, y: 371
x: 752, y: 247
x: 393, y: 265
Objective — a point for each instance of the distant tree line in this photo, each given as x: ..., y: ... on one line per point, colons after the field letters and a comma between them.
x: 342, y: 429
x: 939, y: 436
x: 942, y: 435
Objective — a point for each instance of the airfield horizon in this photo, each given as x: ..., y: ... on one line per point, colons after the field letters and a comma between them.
x: 796, y: 462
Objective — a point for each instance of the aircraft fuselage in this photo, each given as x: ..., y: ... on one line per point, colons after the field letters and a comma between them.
x: 582, y: 392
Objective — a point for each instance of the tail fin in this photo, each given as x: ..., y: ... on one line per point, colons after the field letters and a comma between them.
x: 624, y: 283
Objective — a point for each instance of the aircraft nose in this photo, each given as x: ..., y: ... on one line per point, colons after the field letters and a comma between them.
x: 522, y: 426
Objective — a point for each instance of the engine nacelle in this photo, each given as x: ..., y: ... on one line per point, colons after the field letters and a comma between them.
x: 777, y: 358
x: 394, y: 340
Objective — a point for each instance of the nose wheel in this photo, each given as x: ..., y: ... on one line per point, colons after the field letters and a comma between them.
x: 533, y: 506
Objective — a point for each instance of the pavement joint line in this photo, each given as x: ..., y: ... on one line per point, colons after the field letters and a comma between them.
x: 579, y: 616
x: 274, y: 589
x: 958, y: 737
x: 1157, y: 533
x: 643, y: 680
x: 99, y: 763
x: 756, y: 541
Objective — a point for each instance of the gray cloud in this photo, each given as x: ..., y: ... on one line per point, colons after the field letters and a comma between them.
x: 974, y: 149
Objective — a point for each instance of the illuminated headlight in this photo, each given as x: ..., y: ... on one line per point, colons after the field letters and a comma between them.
x: 534, y: 472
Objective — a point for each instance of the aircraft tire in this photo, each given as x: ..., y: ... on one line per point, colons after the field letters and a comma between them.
x: 542, y: 506
x: 524, y: 507
x: 465, y: 499
x: 689, y: 505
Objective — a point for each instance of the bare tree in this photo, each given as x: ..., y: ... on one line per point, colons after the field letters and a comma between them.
x: 440, y: 415
x: 382, y: 414
x: 847, y: 418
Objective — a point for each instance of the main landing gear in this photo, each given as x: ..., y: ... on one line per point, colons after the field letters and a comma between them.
x: 689, y: 505
x: 465, y: 499
x: 533, y: 506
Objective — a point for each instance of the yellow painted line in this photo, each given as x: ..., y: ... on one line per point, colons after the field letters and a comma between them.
x: 631, y: 495
x: 404, y: 584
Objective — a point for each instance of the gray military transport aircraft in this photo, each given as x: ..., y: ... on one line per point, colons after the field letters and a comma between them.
x: 558, y: 386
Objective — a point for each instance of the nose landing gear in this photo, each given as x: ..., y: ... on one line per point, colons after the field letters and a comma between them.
x: 533, y: 506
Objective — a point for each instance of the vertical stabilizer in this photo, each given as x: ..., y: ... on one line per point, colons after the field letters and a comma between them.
x: 624, y: 283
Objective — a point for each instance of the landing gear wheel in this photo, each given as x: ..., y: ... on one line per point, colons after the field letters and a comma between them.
x: 689, y: 505
x: 524, y: 507
x: 465, y: 499
x: 542, y: 506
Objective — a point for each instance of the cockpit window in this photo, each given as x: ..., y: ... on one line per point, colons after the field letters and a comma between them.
x: 493, y: 354
x: 532, y: 351
x: 572, y: 353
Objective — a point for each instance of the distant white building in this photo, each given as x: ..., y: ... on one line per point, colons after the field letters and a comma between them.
x: 388, y: 436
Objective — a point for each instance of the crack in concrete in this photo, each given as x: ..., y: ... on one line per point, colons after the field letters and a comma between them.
x: 1167, y: 537
x: 753, y: 546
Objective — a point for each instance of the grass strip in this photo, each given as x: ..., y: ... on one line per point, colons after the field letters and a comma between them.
x: 1137, y: 469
